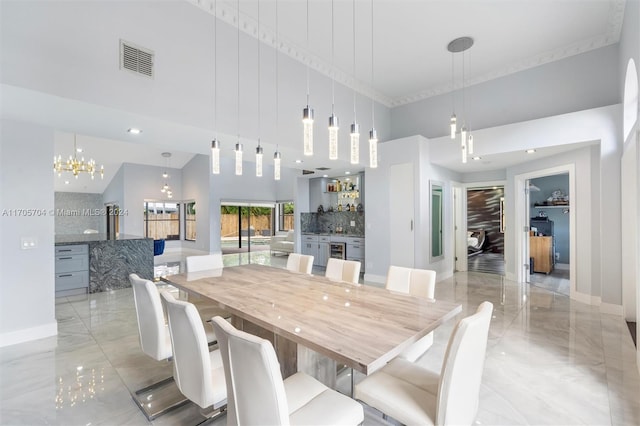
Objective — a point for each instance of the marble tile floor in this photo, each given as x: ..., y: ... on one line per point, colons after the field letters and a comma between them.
x: 550, y: 361
x: 557, y: 281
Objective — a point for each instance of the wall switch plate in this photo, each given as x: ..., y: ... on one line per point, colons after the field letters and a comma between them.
x: 28, y: 243
x: 353, y: 223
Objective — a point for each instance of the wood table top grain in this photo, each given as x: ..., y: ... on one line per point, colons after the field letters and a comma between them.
x: 361, y: 326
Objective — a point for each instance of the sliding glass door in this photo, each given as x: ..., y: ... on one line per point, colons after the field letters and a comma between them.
x: 246, y: 226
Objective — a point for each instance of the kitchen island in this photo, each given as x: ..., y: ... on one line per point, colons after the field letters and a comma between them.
x: 110, y: 261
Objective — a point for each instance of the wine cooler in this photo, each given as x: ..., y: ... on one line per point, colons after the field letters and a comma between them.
x: 338, y: 250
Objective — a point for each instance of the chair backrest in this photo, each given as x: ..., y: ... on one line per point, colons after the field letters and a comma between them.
x: 461, y: 375
x: 191, y: 362
x: 343, y: 270
x: 204, y: 262
x: 151, y: 327
x: 253, y: 378
x: 300, y: 263
x: 416, y: 282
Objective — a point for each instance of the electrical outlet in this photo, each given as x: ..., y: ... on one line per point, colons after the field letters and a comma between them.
x: 353, y: 223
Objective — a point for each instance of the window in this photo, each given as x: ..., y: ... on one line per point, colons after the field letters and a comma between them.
x: 190, y: 220
x: 285, y: 216
x: 162, y: 220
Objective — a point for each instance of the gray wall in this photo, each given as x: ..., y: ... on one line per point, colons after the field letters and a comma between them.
x: 79, y: 202
x: 195, y: 186
x: 27, y: 307
x: 560, y: 219
x: 576, y: 83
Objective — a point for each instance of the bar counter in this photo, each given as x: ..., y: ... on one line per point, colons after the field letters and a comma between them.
x: 113, y: 258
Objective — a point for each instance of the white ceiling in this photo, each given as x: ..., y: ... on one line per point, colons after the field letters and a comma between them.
x: 411, y: 62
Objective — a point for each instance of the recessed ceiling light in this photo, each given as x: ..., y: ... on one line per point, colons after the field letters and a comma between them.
x: 66, y: 182
x: 298, y: 161
x: 134, y: 131
x: 78, y: 149
x: 325, y: 175
x: 530, y: 151
x: 347, y: 173
x: 476, y: 158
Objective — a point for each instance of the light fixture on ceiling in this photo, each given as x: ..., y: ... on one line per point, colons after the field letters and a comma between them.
x: 307, y: 112
x: 134, y: 131
x: 238, y: 144
x: 259, y: 150
x: 355, y: 128
x: 75, y: 165
x: 530, y: 151
x: 373, y: 135
x: 333, y: 120
x: 215, y: 143
x: 476, y: 158
x: 458, y: 45
x: 276, y: 164
x: 277, y: 158
x: 299, y: 161
x: 166, y: 189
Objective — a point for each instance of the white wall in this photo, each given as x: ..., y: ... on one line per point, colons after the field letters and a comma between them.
x: 195, y: 186
x: 114, y: 194
x: 27, y: 309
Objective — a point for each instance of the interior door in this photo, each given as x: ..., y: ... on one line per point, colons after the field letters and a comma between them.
x: 401, y: 197
x: 526, y: 273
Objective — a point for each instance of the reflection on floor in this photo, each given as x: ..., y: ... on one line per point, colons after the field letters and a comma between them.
x: 550, y: 360
x: 557, y: 281
x: 490, y: 263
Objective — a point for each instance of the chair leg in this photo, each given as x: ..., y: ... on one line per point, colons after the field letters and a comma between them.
x: 159, y: 398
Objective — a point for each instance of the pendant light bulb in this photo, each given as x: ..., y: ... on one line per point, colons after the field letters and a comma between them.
x: 373, y: 148
x: 238, y: 159
x: 453, y: 125
x: 259, y: 152
x: 355, y: 143
x: 463, y: 134
x: 333, y: 137
x: 307, y: 121
x: 215, y: 157
x: 276, y: 165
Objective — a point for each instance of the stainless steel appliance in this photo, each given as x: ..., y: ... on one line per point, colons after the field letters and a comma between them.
x: 338, y: 250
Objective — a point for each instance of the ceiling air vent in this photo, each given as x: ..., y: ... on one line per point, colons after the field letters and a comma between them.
x: 308, y: 172
x: 323, y: 168
x: 136, y: 59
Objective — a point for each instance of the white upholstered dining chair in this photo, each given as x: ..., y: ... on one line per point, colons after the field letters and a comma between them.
x: 414, y: 395
x: 419, y: 283
x: 257, y: 395
x: 198, y: 373
x: 343, y: 270
x: 300, y: 263
x: 204, y: 262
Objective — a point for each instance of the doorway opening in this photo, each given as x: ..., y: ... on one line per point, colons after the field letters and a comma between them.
x: 246, y: 226
x: 545, y: 247
x: 485, y: 229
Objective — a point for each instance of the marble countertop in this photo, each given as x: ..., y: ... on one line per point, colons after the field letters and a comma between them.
x: 86, y: 238
x: 333, y: 234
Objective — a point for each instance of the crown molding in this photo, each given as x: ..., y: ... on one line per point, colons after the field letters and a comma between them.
x: 266, y: 35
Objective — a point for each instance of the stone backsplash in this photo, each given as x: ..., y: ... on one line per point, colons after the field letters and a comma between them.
x: 329, y: 222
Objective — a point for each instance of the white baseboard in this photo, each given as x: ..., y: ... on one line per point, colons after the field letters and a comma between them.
x: 28, y: 334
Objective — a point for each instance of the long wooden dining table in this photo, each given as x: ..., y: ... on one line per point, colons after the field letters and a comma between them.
x: 309, y: 317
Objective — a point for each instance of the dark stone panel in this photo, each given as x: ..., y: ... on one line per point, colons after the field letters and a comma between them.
x: 111, y: 262
x: 328, y: 222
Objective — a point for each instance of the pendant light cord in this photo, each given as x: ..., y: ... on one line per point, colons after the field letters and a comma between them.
x: 215, y: 68
x: 333, y: 71
x: 277, y: 72
x: 238, y: 22
x: 373, y: 103
x: 354, y: 61
x: 453, y: 85
x: 259, y: 51
x: 308, y: 50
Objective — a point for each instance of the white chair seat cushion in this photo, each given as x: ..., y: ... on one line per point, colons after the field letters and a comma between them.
x: 308, y: 400
x: 218, y: 379
x: 402, y: 390
x: 418, y: 349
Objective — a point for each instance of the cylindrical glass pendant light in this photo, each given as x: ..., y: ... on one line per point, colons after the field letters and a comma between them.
x: 238, y: 159
x: 373, y: 148
x: 355, y: 143
x: 259, y: 152
x: 333, y: 137
x: 215, y: 157
x: 276, y: 165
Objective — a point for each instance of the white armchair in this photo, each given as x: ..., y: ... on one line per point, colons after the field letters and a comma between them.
x: 283, y: 243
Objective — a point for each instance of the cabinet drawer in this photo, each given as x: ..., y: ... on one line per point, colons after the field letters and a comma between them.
x: 324, y: 239
x: 71, y: 280
x: 310, y: 238
x: 356, y: 241
x: 71, y: 263
x: 355, y: 250
x: 72, y: 249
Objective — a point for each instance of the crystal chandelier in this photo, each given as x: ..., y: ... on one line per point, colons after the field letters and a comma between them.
x: 75, y: 165
x: 166, y: 189
x: 460, y: 45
